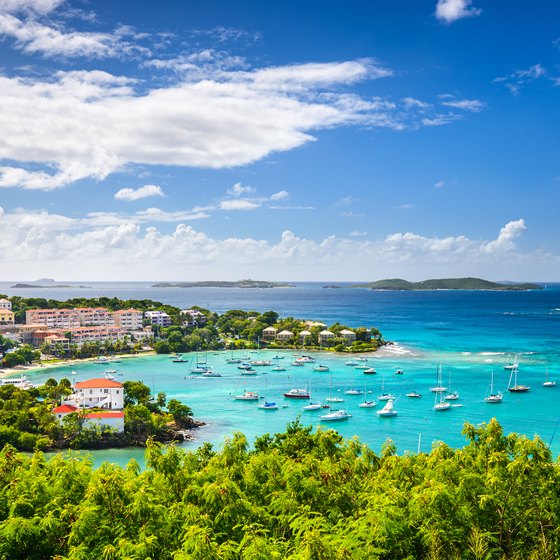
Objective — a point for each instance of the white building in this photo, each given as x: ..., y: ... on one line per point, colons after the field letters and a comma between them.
x: 110, y: 419
x: 325, y: 336
x: 285, y: 336
x: 99, y: 393
x: 269, y: 333
x: 348, y: 335
x: 304, y: 334
x: 5, y: 304
x: 160, y: 318
x: 193, y: 317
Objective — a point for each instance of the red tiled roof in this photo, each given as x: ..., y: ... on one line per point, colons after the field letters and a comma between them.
x: 98, y: 383
x: 64, y: 408
x: 105, y: 415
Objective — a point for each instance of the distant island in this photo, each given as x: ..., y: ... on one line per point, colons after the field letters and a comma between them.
x: 445, y: 284
x: 23, y: 285
x: 223, y: 284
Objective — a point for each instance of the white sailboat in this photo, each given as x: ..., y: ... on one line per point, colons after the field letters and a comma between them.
x: 440, y: 404
x: 388, y: 410
x: 439, y: 388
x: 547, y: 382
x: 385, y: 396
x: 493, y: 398
x: 331, y: 399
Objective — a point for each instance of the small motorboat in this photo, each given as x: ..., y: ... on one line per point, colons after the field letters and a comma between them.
x: 414, y: 395
x: 268, y: 406
x: 312, y: 406
x: 335, y: 415
x: 388, y: 409
x: 370, y: 370
x: 368, y: 404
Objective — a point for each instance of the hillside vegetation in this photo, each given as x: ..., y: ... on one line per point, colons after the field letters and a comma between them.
x: 297, y: 496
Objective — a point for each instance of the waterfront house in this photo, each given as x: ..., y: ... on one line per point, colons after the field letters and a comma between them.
x: 269, y: 333
x: 5, y: 304
x: 97, y: 393
x: 110, y: 419
x: 348, y: 335
x: 303, y: 335
x: 325, y: 336
x: 285, y: 336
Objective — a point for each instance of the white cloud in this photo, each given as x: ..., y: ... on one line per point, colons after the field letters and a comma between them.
x: 505, y: 241
x: 150, y: 215
x: 439, y: 184
x: 411, y: 102
x: 34, y: 37
x: 238, y: 189
x: 91, y: 124
x: 280, y: 195
x: 130, y: 250
x: 405, y: 207
x: 239, y: 204
x: 142, y: 192
x: 519, y: 78
x: 36, y: 6
x: 356, y: 233
x: 473, y: 105
x: 453, y: 10
x: 441, y: 119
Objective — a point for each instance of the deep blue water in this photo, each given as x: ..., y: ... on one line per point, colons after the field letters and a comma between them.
x: 470, y: 334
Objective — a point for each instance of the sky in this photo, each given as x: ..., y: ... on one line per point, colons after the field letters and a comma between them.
x: 297, y: 140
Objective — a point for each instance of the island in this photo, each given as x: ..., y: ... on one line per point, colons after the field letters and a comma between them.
x: 224, y: 284
x: 446, y: 284
x: 22, y: 285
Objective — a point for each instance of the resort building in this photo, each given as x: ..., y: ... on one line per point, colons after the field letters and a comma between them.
x: 95, y: 334
x: 7, y: 317
x: 269, y: 333
x: 285, y: 336
x: 110, y: 419
x: 97, y: 393
x: 94, y: 316
x: 325, y: 336
x: 193, y: 317
x: 128, y: 319
x: 53, y: 318
x: 53, y: 340
x: 5, y: 304
x: 348, y: 335
x: 158, y: 318
x: 311, y: 324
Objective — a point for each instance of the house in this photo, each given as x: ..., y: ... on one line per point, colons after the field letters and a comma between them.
x: 269, y: 333
x: 97, y: 393
x: 348, y: 335
x: 285, y: 336
x: 160, y: 318
x: 7, y: 317
x: 304, y: 334
x: 110, y: 419
x: 325, y: 336
x: 5, y: 304
x: 95, y: 317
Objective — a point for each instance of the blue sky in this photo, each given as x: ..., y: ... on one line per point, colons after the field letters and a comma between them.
x: 314, y: 140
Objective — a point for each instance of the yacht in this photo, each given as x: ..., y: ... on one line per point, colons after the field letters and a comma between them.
x: 335, y: 415
x: 320, y: 368
x: 268, y: 406
x: 493, y: 398
x: 312, y: 406
x: 369, y: 371
x: 247, y: 396
x: 354, y: 392
x: 368, y: 404
x: 516, y: 387
x: 414, y: 395
x: 297, y: 394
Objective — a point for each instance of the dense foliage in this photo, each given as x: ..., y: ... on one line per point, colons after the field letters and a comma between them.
x: 297, y: 495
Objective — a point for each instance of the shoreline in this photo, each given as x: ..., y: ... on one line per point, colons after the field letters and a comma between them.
x: 7, y: 372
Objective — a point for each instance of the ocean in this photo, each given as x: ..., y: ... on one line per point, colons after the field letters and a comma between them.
x: 469, y: 334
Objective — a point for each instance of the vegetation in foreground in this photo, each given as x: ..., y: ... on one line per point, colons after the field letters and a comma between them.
x: 296, y: 495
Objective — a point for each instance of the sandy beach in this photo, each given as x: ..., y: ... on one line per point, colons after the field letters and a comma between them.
x: 9, y: 372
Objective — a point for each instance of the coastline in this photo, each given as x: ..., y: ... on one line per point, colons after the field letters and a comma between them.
x: 7, y: 372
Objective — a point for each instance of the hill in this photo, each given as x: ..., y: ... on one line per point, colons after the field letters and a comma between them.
x: 444, y: 284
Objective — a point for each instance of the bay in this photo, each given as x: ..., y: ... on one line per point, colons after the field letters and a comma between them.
x: 470, y: 333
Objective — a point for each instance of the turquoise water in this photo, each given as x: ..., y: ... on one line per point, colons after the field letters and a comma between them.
x: 470, y: 334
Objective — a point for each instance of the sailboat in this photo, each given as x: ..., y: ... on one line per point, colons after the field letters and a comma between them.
x: 331, y: 399
x: 232, y: 359
x: 548, y: 383
x: 493, y: 398
x: 452, y: 395
x: 516, y: 387
x: 440, y: 404
x: 439, y: 388
x: 385, y: 396
x: 267, y: 405
x: 513, y: 364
